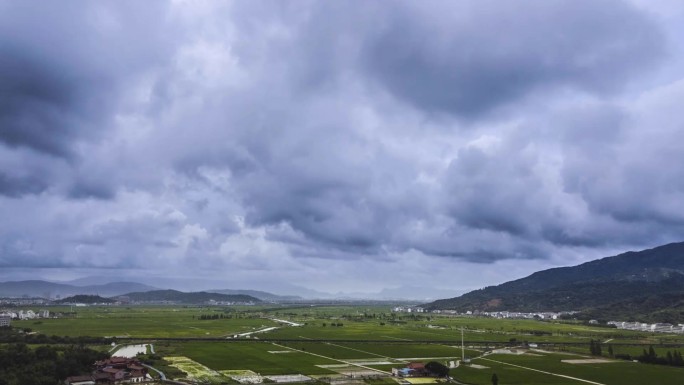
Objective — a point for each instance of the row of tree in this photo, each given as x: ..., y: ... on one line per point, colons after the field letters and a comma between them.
x: 213, y: 316
x: 596, y: 350
x: 671, y: 358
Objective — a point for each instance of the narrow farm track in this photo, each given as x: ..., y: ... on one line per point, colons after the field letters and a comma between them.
x: 363, y: 351
x: 542, y: 371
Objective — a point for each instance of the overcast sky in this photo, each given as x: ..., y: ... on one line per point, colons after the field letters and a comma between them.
x: 340, y: 146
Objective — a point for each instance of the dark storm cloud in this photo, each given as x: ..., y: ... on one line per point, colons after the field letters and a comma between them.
x: 321, y: 192
x: 621, y: 162
x: 491, y: 191
x: 467, y: 58
x: 634, y: 179
x: 15, y: 186
x: 287, y: 137
x: 62, y: 68
x: 33, y: 104
x: 296, y: 158
x: 91, y: 189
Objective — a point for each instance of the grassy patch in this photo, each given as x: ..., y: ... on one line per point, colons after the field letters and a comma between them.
x: 195, y: 370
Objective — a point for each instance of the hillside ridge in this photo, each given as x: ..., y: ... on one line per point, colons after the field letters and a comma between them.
x: 189, y: 297
x: 594, y: 287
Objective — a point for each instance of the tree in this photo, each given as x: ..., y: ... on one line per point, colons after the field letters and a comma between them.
x: 495, y: 379
x: 437, y: 369
x: 45, y: 365
x: 610, y: 350
x: 649, y: 357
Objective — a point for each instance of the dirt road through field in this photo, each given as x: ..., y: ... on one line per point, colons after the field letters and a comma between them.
x: 541, y: 371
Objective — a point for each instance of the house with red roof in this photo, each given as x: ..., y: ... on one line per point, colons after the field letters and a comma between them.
x: 113, y: 371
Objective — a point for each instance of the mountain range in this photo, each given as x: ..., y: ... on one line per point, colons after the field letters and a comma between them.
x: 85, y: 298
x: 642, y: 286
x: 193, y: 297
x: 262, y: 295
x: 44, y: 289
x: 93, y: 286
x: 646, y: 286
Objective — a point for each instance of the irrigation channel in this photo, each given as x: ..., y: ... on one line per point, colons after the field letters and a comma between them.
x: 469, y: 344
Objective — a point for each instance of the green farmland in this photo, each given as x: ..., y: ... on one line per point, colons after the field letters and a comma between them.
x: 146, y: 322
x: 257, y: 357
x: 519, y: 369
x: 337, y: 341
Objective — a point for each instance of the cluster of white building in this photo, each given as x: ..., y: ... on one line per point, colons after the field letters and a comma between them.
x: 213, y: 302
x: 408, y: 309
x: 495, y: 314
x: 546, y: 315
x: 638, y: 326
x: 28, y: 314
x: 644, y: 327
x: 452, y: 312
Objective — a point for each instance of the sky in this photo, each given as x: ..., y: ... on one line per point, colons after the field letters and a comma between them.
x: 358, y: 146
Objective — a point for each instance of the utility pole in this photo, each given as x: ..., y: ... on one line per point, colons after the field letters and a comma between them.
x: 462, y: 347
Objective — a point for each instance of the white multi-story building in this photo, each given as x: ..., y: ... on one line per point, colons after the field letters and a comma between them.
x: 5, y: 320
x: 661, y: 327
x: 644, y: 327
x: 28, y: 314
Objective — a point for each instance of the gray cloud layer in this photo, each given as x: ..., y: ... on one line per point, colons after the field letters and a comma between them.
x: 284, y: 138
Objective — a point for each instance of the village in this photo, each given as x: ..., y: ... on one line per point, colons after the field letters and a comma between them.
x: 112, y: 371
x: 478, y: 313
x: 24, y: 315
x: 637, y: 326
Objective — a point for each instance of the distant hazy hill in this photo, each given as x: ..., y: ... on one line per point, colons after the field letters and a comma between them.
x: 89, y: 299
x: 262, y: 295
x: 38, y: 288
x: 194, y: 297
x: 618, y: 286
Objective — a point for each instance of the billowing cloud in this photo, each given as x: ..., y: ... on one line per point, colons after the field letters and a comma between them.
x: 468, y: 58
x: 65, y: 65
x: 264, y: 142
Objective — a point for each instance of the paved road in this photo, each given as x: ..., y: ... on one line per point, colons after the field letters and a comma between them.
x: 161, y: 374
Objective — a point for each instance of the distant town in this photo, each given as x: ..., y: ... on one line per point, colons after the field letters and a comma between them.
x: 637, y: 326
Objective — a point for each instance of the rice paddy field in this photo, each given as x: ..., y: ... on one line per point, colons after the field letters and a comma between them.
x: 364, y: 342
x: 148, y: 321
x: 550, y: 369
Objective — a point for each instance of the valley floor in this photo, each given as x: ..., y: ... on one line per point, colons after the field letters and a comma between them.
x: 363, y: 344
